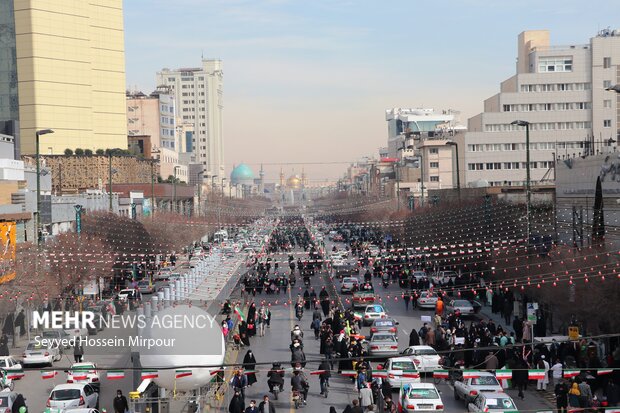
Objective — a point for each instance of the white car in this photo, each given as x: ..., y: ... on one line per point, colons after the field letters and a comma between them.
x: 425, y: 358
x: 442, y: 277
x: 84, y: 373
x: 419, y: 397
x: 492, y: 403
x: 349, y: 284
x: 400, y: 371
x: 419, y: 275
x: 13, y: 367
x: 470, y: 387
x: 373, y: 312
x: 128, y: 293
x: 73, y: 395
x: 465, y: 307
x: 427, y: 299
x: 40, y: 353
x: 11, y: 401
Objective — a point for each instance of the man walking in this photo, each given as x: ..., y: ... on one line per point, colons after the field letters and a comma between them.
x: 120, y: 403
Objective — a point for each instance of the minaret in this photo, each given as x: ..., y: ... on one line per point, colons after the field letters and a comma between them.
x: 281, y: 179
x: 303, y: 177
x: 261, y: 184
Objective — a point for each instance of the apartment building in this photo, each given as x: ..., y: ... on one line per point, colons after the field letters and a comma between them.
x: 153, y: 115
x: 561, y: 92
x: 198, y: 94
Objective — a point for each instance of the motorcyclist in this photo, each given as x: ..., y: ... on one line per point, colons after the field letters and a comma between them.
x: 300, y: 384
x: 299, y: 310
x: 325, y: 374
x: 275, y: 377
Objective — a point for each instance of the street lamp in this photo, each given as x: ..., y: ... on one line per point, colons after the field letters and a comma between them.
x: 153, y: 160
x: 174, y: 188
x: 200, y: 179
x: 458, y: 169
x: 528, y: 189
x: 38, y: 221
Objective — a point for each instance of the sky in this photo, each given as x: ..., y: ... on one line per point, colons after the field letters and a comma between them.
x: 309, y: 81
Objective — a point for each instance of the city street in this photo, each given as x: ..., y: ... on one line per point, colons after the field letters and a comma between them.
x: 274, y: 346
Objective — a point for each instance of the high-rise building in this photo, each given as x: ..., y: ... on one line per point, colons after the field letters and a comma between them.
x: 560, y: 91
x: 199, y: 99
x: 62, y: 66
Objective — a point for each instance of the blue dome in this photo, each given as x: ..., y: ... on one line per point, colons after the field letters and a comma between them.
x: 242, y: 174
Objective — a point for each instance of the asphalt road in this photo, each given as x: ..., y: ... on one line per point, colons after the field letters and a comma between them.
x: 274, y: 346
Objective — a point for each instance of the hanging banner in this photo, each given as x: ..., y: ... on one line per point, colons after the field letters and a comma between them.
x: 7, y: 251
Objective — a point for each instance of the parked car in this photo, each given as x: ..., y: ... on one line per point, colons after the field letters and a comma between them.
x: 465, y: 307
x: 400, y: 370
x: 427, y: 299
x: 416, y: 397
x: 84, y: 373
x: 349, y: 284
x: 492, y: 403
x: 468, y: 388
x: 73, y: 395
x: 419, y: 275
x: 442, y: 277
x: 40, y: 353
x: 383, y: 344
x: 12, y: 367
x: 425, y: 358
x: 384, y: 325
x: 373, y: 312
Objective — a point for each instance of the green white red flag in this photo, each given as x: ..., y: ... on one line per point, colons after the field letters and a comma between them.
x: 115, y: 375
x: 536, y: 374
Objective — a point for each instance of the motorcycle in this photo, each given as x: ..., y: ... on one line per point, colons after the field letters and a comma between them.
x: 298, y: 399
x: 276, y: 390
x: 299, y: 312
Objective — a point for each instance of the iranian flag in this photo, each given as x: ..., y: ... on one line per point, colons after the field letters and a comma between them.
x: 182, y: 373
x: 79, y: 375
x: 381, y: 374
x: 571, y: 373
x: 411, y: 374
x: 536, y: 374
x: 149, y: 374
x: 358, y: 336
x: 601, y: 372
x: 14, y: 374
x: 441, y: 374
x: 317, y: 372
x: 503, y: 374
x: 239, y: 314
x: 48, y: 374
x: 214, y: 372
x: 471, y: 374
x: 349, y: 373
x: 358, y: 316
x: 248, y: 372
x: 115, y: 374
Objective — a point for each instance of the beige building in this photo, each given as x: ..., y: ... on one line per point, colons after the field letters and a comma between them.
x: 71, y: 73
x: 560, y: 91
x: 153, y: 115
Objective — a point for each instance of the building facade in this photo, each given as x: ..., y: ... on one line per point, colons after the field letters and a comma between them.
x: 560, y: 91
x: 70, y: 62
x: 154, y: 116
x: 198, y: 95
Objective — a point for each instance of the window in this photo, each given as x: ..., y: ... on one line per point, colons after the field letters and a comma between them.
x: 434, y: 164
x: 494, y: 165
x: 606, y: 62
x: 607, y: 103
x: 433, y: 150
x: 528, y: 88
x: 607, y: 123
x: 555, y: 64
x: 549, y: 87
x: 434, y: 178
x: 563, y: 87
x: 507, y: 108
x: 475, y: 166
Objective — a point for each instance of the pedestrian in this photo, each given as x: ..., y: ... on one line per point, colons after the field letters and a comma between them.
x: 120, y: 403
x: 541, y: 384
x: 266, y: 406
x: 585, y: 400
x: 406, y: 299
x: 332, y: 409
x: 574, y: 395
x: 78, y: 350
x: 225, y: 328
x: 439, y: 307
x: 556, y: 372
x: 561, y: 396
x: 356, y: 406
x: 236, y: 403
x: 20, y: 322
x: 414, y: 338
x: 390, y: 406
x: 366, y: 396
x: 239, y: 382
x: 243, y: 334
x: 261, y: 321
x: 252, y: 408
x: 491, y: 362
x: 4, y: 345
x: 249, y: 364
x: 372, y: 408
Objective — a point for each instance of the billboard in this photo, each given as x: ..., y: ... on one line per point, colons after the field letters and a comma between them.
x: 7, y: 251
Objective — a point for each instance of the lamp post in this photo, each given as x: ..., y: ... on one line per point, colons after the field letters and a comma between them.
x: 458, y: 169
x: 174, y: 188
x: 153, y: 160
x: 528, y: 189
x: 38, y: 221
x: 111, y: 171
x: 200, y: 178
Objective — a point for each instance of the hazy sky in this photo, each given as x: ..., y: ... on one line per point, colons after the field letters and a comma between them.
x: 308, y: 81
